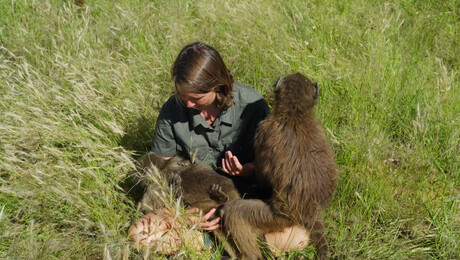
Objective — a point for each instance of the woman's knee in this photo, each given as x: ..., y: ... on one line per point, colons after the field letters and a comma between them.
x: 290, y: 239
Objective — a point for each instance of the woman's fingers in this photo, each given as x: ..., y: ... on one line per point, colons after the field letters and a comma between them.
x: 208, y: 215
x: 211, y: 225
x: 204, y: 223
x: 237, y: 167
x: 194, y: 210
x: 226, y: 163
x: 224, y: 166
x: 233, y: 165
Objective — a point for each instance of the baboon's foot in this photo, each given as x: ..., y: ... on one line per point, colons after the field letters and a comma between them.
x: 175, y: 182
x: 216, y: 193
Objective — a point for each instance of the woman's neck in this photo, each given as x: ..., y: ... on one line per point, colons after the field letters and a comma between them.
x: 210, y: 114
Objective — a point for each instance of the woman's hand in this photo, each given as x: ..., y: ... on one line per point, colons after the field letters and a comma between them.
x: 204, y: 223
x: 232, y: 166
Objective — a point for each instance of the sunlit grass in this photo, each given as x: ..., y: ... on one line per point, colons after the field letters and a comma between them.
x: 80, y: 89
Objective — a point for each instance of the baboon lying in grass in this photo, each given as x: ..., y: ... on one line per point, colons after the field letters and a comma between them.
x: 199, y: 185
x: 294, y: 161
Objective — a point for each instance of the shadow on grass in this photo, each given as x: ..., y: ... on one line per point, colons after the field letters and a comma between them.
x: 138, y: 135
x: 138, y: 138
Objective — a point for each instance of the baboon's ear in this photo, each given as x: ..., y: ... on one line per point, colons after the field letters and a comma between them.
x: 316, y: 94
x: 278, y: 84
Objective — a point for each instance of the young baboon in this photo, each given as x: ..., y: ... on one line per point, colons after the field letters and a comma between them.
x: 199, y: 185
x: 294, y: 161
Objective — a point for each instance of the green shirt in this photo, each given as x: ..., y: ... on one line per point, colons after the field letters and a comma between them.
x: 182, y: 130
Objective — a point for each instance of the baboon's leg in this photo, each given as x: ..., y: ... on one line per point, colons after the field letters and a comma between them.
x: 246, y: 221
x: 316, y: 227
x: 227, y: 243
x: 264, y: 247
x: 246, y: 242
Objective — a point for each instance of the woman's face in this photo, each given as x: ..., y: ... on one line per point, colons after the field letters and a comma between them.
x: 199, y: 101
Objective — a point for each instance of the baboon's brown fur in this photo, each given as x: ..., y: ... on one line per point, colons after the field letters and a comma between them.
x: 199, y: 184
x: 294, y: 161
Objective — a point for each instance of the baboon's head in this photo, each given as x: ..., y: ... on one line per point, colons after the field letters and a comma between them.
x: 294, y: 90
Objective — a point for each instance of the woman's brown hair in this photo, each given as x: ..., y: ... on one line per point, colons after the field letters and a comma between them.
x: 199, y: 69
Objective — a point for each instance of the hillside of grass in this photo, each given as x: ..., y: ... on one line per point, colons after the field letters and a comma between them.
x: 81, y: 87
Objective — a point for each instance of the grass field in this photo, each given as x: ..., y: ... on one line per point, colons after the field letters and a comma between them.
x: 80, y: 89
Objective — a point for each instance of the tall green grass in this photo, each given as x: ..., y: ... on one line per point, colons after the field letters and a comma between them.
x: 80, y: 89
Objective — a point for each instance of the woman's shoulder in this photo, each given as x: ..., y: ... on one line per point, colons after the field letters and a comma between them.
x: 171, y: 102
x: 172, y: 109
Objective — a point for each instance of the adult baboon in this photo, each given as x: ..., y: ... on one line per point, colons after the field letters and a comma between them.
x: 199, y: 185
x: 295, y: 163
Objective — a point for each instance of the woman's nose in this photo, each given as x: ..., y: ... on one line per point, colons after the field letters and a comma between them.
x: 190, y: 104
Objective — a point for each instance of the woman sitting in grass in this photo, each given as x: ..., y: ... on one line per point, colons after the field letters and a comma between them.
x: 216, y: 118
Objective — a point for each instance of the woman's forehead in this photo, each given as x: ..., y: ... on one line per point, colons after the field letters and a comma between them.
x: 193, y: 95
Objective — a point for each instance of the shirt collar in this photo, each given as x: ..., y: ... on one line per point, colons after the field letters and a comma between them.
x: 224, y: 118
x: 197, y: 119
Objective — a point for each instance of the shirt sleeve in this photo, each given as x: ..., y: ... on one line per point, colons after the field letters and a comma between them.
x: 164, y: 141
